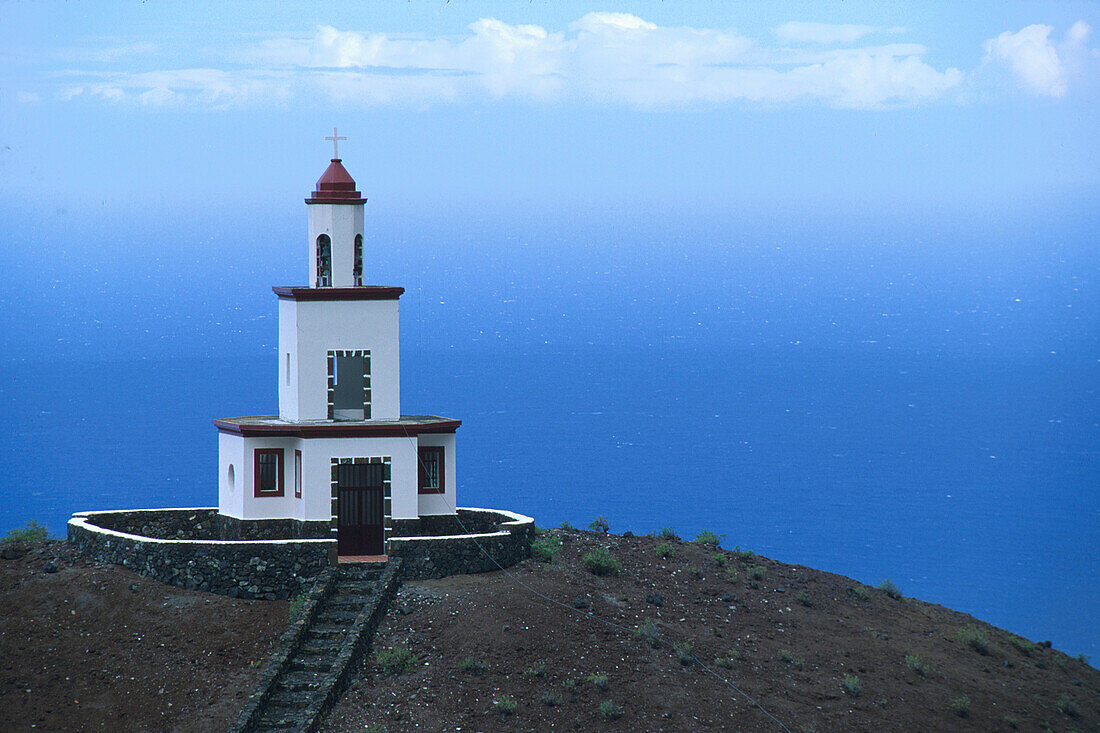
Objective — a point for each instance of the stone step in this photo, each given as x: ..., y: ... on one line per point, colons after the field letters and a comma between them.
x: 326, y: 631
x: 282, y: 716
x: 318, y: 645
x: 336, y: 617
x: 301, y: 680
x: 289, y: 699
x: 352, y: 602
x: 354, y: 587
x: 277, y: 727
x: 311, y: 662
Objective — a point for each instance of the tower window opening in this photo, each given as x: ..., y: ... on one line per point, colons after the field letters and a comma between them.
x: 324, y: 261
x: 357, y: 268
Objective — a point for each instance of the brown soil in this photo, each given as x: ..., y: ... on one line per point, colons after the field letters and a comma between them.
x: 531, y: 648
x: 80, y: 650
x: 97, y: 647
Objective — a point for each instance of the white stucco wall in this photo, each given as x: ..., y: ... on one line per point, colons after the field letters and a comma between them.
x: 315, y: 503
x: 446, y: 502
x: 341, y: 222
x: 231, y: 453
x: 288, y: 350
x: 308, y: 330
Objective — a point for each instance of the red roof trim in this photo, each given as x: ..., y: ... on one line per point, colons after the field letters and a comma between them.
x: 373, y: 292
x: 336, y: 430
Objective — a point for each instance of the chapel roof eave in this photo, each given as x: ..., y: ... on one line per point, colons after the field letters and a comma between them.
x: 260, y: 426
x: 369, y: 292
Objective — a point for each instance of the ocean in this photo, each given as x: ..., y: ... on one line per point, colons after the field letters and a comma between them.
x: 910, y: 401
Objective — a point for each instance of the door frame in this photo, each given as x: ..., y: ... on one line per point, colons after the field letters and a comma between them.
x: 387, y: 503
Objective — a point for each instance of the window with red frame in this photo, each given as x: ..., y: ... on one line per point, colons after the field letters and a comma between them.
x: 297, y: 474
x: 431, y: 470
x: 269, y: 472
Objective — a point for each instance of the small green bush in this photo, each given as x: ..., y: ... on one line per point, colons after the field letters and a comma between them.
x: 706, y: 537
x: 756, y: 572
x: 600, y: 680
x: 601, y: 562
x: 1021, y: 644
x: 915, y: 663
x: 1067, y: 706
x: 786, y: 657
x: 474, y: 665
x: 720, y: 559
x: 851, y: 686
x: 570, y: 685
x: 665, y: 550
x: 724, y: 662
x: 973, y: 638
x: 545, y: 548
x: 549, y: 699
x: 742, y: 555
x: 1011, y: 721
x: 538, y: 669
x: 32, y: 531
x: 731, y: 574
x: 668, y: 533
x: 505, y: 706
x: 599, y: 524
x: 890, y: 588
x: 860, y: 593
x: 610, y: 710
x: 804, y: 598
x: 647, y: 632
x: 696, y: 572
x: 1082, y: 658
x: 297, y: 600
x: 683, y: 652
x: 961, y: 706
x: 567, y: 526
x: 395, y: 660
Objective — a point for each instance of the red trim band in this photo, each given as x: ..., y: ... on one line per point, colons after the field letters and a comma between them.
x: 372, y: 292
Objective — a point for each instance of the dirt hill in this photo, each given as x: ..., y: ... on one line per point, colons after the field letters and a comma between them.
x: 543, y: 646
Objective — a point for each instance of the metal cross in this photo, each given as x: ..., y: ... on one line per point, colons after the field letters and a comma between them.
x: 334, y: 137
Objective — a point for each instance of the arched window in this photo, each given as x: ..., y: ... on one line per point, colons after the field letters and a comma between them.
x: 357, y: 268
x: 324, y: 261
x: 231, y: 479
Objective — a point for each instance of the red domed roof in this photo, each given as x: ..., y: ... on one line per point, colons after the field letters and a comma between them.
x: 336, y: 186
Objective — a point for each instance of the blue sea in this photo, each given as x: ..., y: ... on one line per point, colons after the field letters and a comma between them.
x: 914, y: 399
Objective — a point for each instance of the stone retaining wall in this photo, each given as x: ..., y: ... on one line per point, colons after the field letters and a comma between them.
x: 205, y: 523
x: 272, y: 569
x: 440, y: 556
x: 198, y: 548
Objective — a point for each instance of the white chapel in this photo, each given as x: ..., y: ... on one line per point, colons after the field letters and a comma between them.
x: 339, y: 457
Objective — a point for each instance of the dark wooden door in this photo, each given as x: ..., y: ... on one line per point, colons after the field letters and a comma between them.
x: 359, y: 508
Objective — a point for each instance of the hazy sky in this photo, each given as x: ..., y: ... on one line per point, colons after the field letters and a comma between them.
x: 203, y: 106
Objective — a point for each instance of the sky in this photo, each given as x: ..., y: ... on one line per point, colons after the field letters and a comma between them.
x: 151, y: 144
x: 549, y: 105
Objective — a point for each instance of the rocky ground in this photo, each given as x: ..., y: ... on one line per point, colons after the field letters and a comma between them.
x: 818, y: 652
x: 89, y: 647
x: 544, y: 646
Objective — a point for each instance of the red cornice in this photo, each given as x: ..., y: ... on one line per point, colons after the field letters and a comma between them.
x: 374, y: 292
x: 359, y: 201
x: 336, y: 429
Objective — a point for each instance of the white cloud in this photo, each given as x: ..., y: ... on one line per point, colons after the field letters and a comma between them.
x: 605, y: 58
x: 1038, y: 65
x: 798, y: 32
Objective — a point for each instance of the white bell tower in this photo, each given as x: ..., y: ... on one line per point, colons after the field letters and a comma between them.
x: 335, y: 227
